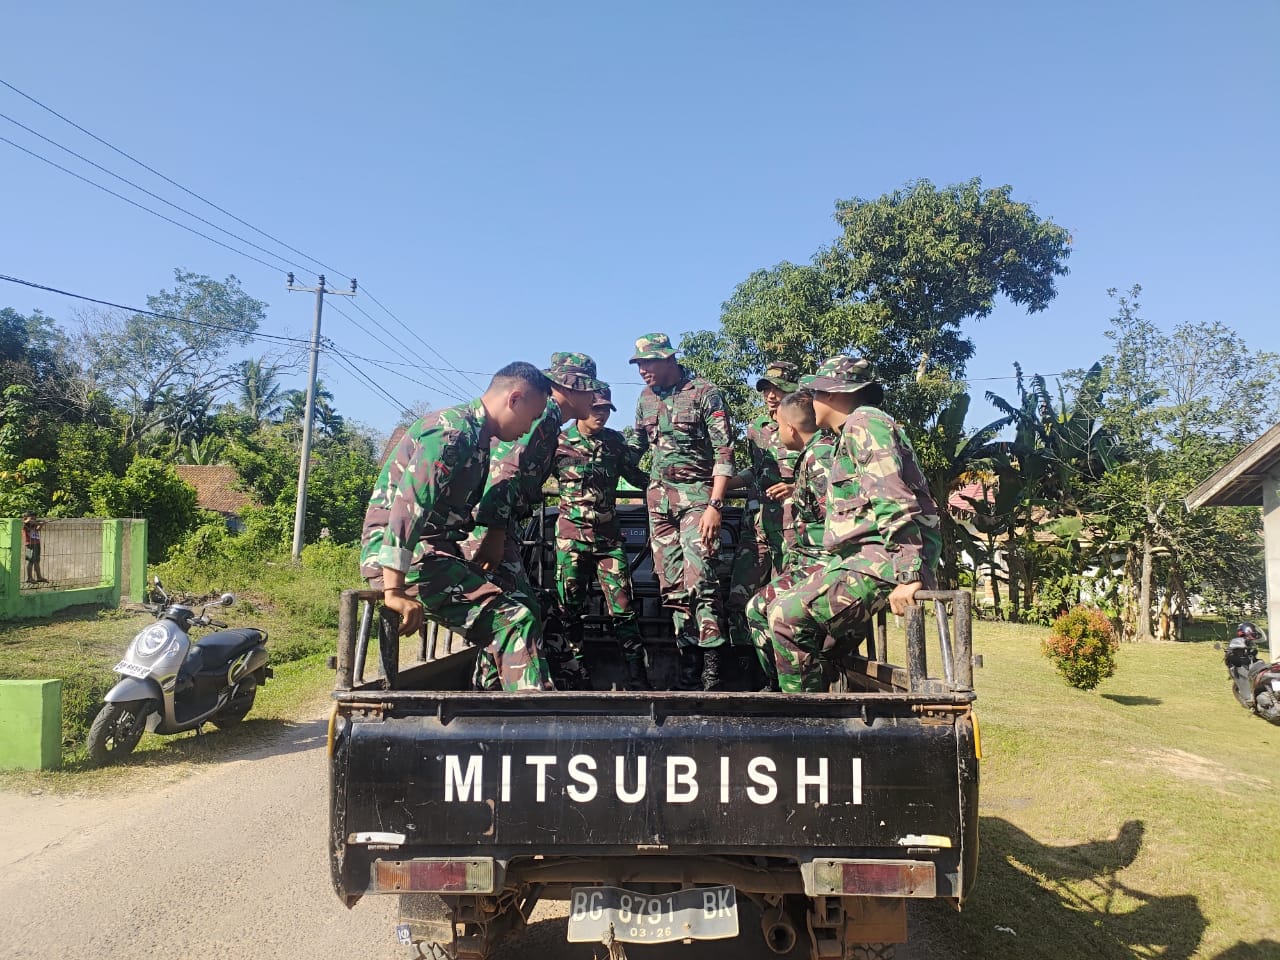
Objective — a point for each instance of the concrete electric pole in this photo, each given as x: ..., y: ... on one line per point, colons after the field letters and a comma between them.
x: 304, y: 464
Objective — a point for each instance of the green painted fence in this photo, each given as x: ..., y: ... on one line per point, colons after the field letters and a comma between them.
x: 86, y: 561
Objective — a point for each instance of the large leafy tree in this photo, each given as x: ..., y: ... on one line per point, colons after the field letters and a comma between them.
x: 161, y: 368
x: 906, y: 271
x: 1181, y: 402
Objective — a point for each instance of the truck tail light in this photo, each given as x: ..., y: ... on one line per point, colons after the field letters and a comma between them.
x: 433, y: 876
x: 874, y: 878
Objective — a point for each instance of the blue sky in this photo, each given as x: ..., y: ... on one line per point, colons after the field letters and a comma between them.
x: 516, y: 178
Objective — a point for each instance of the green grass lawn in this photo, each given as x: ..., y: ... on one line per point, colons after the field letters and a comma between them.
x: 1141, y: 819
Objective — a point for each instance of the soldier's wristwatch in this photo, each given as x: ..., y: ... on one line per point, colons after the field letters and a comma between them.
x: 718, y: 504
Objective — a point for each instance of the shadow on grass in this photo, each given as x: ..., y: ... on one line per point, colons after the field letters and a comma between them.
x: 252, y: 739
x: 1035, y: 900
x: 1258, y: 950
x: 1132, y: 701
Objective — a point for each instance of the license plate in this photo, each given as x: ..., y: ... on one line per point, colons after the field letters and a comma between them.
x: 698, y: 913
x: 131, y: 669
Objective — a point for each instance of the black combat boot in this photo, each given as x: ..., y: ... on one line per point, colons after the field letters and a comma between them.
x: 690, y: 675
x: 750, y: 673
x: 637, y: 674
x: 717, y: 669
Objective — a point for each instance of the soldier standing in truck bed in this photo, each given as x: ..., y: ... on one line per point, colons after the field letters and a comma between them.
x: 799, y: 431
x: 683, y: 420
x: 588, y: 464
x: 766, y: 527
x: 421, y: 507
x: 882, y: 532
x: 517, y: 470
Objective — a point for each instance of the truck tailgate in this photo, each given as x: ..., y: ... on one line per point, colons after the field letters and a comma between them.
x: 510, y: 776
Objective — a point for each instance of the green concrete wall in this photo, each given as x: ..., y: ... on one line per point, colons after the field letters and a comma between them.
x: 117, y: 583
x: 30, y: 724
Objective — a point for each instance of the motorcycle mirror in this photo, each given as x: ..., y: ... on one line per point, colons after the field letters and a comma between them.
x: 227, y: 599
x: 156, y: 580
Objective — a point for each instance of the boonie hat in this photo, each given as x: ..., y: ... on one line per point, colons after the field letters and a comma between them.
x: 604, y: 398
x: 653, y: 346
x: 574, y: 371
x: 841, y: 375
x: 781, y: 374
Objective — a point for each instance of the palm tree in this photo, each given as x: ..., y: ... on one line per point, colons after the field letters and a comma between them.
x: 261, y: 396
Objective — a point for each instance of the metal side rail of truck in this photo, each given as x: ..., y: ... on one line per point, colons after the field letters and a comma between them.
x: 661, y: 817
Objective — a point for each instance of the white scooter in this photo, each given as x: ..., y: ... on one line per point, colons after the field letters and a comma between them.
x: 169, y: 684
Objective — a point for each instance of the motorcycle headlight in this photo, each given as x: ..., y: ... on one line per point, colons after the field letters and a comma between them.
x: 151, y: 641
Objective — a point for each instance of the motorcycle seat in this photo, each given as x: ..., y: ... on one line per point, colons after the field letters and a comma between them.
x: 222, y: 647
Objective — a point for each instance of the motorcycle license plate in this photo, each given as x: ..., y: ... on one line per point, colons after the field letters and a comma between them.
x: 698, y: 913
x: 131, y: 669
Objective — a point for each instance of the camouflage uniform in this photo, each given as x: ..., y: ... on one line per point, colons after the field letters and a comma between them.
x: 804, y: 552
x: 687, y: 427
x: 421, y: 507
x: 767, y: 525
x: 587, y: 535
x: 882, y: 528
x: 517, y: 471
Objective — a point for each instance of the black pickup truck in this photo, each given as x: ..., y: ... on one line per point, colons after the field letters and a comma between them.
x: 654, y: 814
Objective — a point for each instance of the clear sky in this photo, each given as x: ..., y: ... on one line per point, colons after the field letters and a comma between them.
x: 515, y: 178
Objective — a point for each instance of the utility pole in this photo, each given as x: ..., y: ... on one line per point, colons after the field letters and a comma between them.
x: 304, y: 464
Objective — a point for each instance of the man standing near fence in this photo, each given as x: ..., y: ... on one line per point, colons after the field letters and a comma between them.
x: 31, y: 547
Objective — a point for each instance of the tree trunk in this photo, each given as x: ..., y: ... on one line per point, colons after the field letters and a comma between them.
x: 995, y: 577
x: 1143, y: 613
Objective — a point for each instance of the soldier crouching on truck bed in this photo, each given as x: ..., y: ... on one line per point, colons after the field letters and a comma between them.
x: 767, y: 525
x: 517, y: 470
x: 882, y: 532
x: 799, y: 431
x: 683, y: 419
x: 421, y: 508
x: 588, y: 463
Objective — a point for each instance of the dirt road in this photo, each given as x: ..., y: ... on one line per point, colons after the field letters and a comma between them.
x: 229, y: 861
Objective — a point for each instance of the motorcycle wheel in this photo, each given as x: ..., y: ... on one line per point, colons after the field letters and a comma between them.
x: 116, y: 730
x: 238, y: 707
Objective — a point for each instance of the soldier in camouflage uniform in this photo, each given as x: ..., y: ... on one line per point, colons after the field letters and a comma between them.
x: 766, y: 527
x: 798, y: 430
x: 882, y: 531
x: 684, y: 421
x: 421, y: 507
x: 588, y: 464
x: 517, y: 471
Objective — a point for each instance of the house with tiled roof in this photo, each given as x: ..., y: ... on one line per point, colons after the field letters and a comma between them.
x: 218, y: 489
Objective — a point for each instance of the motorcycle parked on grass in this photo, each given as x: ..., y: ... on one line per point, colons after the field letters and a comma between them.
x: 1254, y: 681
x: 169, y: 684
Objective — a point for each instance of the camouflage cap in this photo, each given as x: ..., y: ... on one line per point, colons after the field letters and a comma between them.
x: 653, y: 346
x: 604, y: 398
x: 573, y: 371
x: 781, y: 374
x: 840, y: 375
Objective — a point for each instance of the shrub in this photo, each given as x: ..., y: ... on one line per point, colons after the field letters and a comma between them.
x: 1082, y: 646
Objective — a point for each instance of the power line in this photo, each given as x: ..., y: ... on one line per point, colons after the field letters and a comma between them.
x: 140, y: 206
x: 448, y: 364
x: 405, y: 326
x: 151, y: 313
x: 397, y: 404
x: 156, y: 196
x: 173, y: 182
x: 441, y: 385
